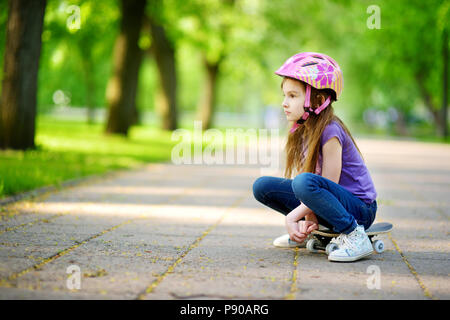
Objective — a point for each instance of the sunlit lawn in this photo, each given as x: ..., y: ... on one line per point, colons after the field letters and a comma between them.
x: 70, y: 149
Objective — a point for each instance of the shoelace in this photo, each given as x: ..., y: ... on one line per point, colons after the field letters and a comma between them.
x: 347, y: 243
x: 338, y: 239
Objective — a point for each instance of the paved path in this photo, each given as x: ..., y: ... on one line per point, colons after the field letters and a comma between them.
x: 195, y: 232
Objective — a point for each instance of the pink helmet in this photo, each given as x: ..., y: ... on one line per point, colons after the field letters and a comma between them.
x: 317, y: 70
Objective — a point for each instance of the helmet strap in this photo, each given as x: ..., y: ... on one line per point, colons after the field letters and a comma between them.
x: 294, y: 127
x: 323, y: 106
x: 307, y: 96
x: 308, y: 108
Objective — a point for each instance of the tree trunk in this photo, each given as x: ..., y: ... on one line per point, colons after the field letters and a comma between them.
x: 21, y: 66
x: 428, y: 101
x: 207, y: 105
x: 400, y: 125
x: 122, y: 86
x: 444, y: 110
x: 208, y: 101
x: 164, y: 54
x: 439, y: 116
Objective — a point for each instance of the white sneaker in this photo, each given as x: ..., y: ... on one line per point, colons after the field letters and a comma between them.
x: 352, y: 246
x: 338, y: 240
x: 285, y: 242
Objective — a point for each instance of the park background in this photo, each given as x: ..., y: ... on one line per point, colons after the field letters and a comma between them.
x: 108, y: 81
x: 92, y: 93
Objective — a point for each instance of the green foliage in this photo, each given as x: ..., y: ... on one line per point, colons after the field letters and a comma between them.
x: 412, y: 47
x: 77, y: 61
x: 253, y: 37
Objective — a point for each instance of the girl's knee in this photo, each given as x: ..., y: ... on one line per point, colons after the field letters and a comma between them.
x: 303, y: 184
x: 260, y: 187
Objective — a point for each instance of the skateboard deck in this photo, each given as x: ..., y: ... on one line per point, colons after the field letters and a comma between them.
x: 322, y: 238
x: 381, y: 227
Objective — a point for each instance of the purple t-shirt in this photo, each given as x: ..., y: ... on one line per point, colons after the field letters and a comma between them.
x: 355, y: 176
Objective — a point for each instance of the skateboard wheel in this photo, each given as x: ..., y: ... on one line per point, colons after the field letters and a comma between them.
x: 331, y: 247
x: 311, y: 245
x: 378, y: 246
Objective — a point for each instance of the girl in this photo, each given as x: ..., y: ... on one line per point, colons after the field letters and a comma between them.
x: 334, y: 187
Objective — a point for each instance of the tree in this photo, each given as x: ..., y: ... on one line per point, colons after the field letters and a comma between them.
x: 214, y: 54
x: 213, y: 22
x: 163, y: 50
x: 89, y: 42
x: 443, y: 25
x: 122, y: 86
x: 406, y: 60
x: 76, y: 53
x: 21, y: 65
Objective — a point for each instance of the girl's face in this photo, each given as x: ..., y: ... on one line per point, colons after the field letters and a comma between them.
x: 294, y: 99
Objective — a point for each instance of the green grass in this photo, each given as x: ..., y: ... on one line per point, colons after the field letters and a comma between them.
x: 70, y: 149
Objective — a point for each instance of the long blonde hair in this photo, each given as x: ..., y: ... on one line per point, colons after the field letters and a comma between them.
x: 303, y: 145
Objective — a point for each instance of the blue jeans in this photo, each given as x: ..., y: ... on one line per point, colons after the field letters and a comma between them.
x: 334, y: 206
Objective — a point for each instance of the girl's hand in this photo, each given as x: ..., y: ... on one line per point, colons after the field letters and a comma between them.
x: 306, y: 227
x: 293, y: 230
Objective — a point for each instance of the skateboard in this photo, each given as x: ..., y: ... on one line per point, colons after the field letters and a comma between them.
x: 321, y: 238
